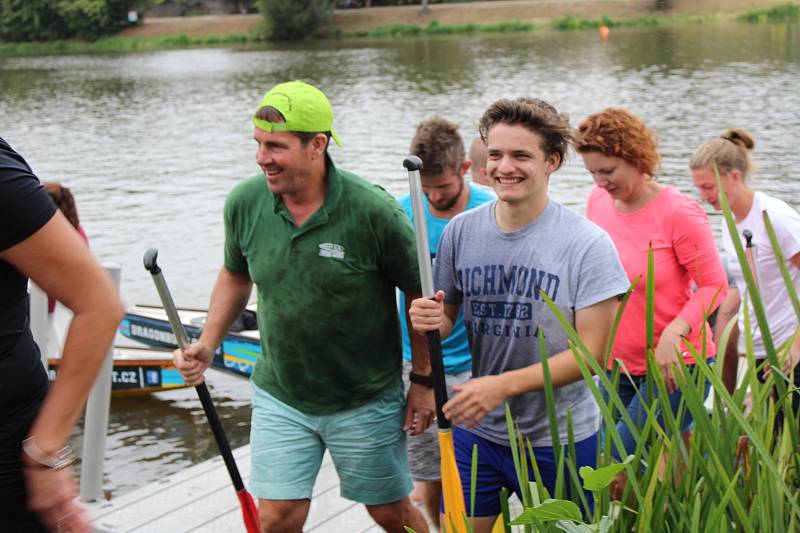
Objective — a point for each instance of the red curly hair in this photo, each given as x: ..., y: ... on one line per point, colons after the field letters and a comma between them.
x: 619, y: 133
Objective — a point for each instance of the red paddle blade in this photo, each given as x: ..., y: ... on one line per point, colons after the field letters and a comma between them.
x: 249, y: 512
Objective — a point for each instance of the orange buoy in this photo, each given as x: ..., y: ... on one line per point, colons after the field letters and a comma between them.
x: 604, y: 31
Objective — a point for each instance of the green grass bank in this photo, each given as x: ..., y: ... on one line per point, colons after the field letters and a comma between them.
x: 129, y: 42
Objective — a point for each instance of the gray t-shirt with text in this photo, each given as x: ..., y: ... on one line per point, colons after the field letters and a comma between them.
x: 496, y: 277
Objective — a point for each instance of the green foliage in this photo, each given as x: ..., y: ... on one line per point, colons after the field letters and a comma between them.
x: 30, y: 20
x: 47, y: 20
x: 295, y: 19
x: 106, y: 45
x: 549, y: 510
x: 86, y: 18
x: 434, y: 28
x: 779, y: 13
x: 395, y: 30
x: 574, y: 23
x: 602, y: 477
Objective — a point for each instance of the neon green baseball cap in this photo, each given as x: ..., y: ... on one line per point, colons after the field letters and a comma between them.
x: 304, y: 108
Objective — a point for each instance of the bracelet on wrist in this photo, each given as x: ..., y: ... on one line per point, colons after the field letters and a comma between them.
x: 421, y: 379
x: 63, y: 458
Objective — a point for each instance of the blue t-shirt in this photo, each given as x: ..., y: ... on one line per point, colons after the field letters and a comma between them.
x: 455, y: 350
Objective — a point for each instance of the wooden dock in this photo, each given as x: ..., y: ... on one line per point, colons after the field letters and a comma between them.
x: 202, y: 499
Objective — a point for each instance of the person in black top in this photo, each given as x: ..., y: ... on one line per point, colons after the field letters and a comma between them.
x: 37, y: 488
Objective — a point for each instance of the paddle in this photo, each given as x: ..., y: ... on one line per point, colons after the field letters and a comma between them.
x: 752, y: 255
x: 249, y: 510
x: 454, y: 509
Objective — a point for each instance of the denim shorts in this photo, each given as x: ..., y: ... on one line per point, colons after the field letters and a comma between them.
x: 367, y: 445
x: 635, y: 393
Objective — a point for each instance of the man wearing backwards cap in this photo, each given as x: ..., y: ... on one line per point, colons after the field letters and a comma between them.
x: 326, y: 251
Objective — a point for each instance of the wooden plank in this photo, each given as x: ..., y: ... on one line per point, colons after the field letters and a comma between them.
x: 325, y: 509
x: 201, y: 498
x: 354, y: 517
x: 207, y: 484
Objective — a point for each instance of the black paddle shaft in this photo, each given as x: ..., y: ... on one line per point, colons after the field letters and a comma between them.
x: 437, y: 373
x: 150, y: 263
x: 219, y: 436
x: 413, y: 165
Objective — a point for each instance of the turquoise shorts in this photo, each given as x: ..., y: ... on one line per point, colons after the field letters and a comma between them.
x: 367, y: 446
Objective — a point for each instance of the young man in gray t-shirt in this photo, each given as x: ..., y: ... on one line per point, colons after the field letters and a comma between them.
x: 496, y: 261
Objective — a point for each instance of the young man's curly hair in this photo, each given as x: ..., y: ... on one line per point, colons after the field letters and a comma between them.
x: 537, y: 116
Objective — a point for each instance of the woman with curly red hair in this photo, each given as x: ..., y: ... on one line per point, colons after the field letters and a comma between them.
x: 637, y: 211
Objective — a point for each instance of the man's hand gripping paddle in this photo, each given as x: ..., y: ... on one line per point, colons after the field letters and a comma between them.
x: 454, y: 509
x: 249, y: 510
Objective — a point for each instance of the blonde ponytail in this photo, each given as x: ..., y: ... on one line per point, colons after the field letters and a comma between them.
x: 730, y: 151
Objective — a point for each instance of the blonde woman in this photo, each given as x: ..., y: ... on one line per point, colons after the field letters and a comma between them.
x: 731, y: 152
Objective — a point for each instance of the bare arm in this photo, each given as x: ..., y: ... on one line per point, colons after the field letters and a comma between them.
x: 57, y: 260
x: 727, y: 310
x: 228, y: 299
x: 593, y: 325
x: 479, y: 396
x: 420, y: 405
x: 669, y: 344
x: 420, y: 362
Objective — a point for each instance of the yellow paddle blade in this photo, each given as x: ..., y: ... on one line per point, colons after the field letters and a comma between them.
x: 498, y: 526
x: 453, y: 495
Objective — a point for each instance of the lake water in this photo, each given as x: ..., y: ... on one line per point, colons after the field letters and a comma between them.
x: 151, y: 143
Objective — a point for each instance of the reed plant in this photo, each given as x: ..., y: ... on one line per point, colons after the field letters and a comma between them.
x: 736, y: 472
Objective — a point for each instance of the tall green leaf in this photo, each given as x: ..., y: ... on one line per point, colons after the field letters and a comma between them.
x: 602, y: 477
x: 650, y: 300
x: 752, y: 287
x: 549, y: 510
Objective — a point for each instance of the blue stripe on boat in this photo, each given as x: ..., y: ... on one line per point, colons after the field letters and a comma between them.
x: 170, y: 376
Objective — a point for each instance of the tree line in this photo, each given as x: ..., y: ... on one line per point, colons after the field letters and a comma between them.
x: 297, y: 19
x: 49, y: 20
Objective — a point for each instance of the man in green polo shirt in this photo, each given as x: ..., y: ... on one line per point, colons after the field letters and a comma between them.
x: 326, y: 251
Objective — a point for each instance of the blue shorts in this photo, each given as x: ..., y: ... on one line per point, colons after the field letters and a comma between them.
x: 367, y: 445
x: 496, y: 469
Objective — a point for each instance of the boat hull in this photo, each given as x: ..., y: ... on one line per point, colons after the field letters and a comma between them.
x: 137, y: 371
x: 149, y: 325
